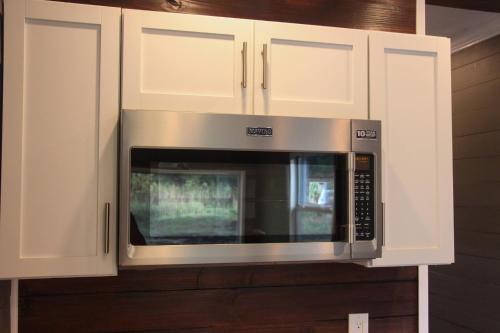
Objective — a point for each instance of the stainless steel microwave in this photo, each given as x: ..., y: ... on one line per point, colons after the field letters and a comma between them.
x: 211, y: 189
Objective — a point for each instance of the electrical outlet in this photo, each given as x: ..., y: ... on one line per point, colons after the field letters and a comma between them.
x: 358, y: 323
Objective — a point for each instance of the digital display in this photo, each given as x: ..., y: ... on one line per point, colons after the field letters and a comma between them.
x: 363, y: 162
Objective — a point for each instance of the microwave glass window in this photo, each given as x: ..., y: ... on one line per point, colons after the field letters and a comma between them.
x: 219, y: 197
x: 179, y: 207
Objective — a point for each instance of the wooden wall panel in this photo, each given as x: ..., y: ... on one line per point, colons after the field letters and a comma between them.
x: 257, y: 298
x: 4, y: 306
x: 386, y: 15
x: 463, y: 297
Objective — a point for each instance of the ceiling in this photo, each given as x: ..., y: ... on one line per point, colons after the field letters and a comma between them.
x: 464, y: 27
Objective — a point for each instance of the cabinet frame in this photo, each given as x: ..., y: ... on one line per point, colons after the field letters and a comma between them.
x: 107, y: 19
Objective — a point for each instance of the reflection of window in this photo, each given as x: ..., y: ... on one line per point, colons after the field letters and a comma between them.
x: 192, y: 206
x: 316, y: 180
x: 315, y: 200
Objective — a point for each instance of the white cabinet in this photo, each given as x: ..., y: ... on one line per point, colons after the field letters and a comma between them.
x: 410, y: 92
x: 184, y: 62
x: 60, y: 116
x: 310, y: 71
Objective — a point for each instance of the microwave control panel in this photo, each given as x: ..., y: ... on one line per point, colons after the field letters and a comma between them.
x: 364, y: 197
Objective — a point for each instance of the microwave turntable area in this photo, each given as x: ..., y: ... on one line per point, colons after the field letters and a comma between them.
x: 166, y: 139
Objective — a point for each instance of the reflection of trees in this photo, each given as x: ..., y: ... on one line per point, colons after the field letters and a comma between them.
x: 185, y: 194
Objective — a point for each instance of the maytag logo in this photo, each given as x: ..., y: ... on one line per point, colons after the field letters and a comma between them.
x: 259, y: 131
x: 366, y: 134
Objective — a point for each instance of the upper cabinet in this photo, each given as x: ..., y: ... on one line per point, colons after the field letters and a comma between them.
x: 183, y: 62
x: 60, y: 116
x: 310, y: 71
x: 410, y: 92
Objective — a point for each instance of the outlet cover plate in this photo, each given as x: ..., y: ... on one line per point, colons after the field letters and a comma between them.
x: 358, y: 323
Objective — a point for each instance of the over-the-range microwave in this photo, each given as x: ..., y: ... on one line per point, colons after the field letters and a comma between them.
x: 212, y: 189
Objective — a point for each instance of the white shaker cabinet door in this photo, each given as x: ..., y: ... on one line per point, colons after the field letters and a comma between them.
x: 310, y: 71
x: 180, y: 62
x: 60, y: 116
x: 410, y: 92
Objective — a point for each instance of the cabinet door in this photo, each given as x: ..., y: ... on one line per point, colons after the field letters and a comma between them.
x: 310, y: 71
x: 411, y: 94
x: 181, y: 62
x: 60, y: 116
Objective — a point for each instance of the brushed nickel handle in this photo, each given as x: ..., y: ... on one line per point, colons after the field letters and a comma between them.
x: 244, y: 56
x: 264, y: 66
x: 383, y: 223
x: 107, y: 212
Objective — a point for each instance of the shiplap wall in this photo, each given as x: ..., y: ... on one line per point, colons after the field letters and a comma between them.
x: 464, y: 296
x: 4, y: 306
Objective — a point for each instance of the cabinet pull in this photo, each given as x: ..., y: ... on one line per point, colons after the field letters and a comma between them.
x: 107, y: 212
x: 383, y: 223
x: 244, y: 53
x: 264, y: 66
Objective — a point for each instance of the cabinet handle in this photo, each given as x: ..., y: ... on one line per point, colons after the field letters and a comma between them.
x: 264, y: 66
x: 107, y: 212
x: 244, y: 53
x: 383, y: 224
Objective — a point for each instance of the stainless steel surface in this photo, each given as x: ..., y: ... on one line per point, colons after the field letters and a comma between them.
x: 369, y: 249
x: 350, y: 199
x: 244, y: 56
x: 107, y: 212
x: 184, y: 130
x: 264, y: 66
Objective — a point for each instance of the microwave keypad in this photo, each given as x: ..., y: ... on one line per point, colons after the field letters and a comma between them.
x: 364, y: 197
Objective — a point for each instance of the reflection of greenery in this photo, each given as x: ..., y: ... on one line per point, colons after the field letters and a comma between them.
x: 315, y: 191
x: 315, y: 223
x: 185, y: 204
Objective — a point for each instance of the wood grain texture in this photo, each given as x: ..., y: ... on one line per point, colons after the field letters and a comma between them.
x: 4, y: 306
x: 484, y: 5
x: 463, y: 296
x: 257, y: 298
x: 386, y: 15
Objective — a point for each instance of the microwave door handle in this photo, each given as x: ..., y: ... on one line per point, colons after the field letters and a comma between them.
x: 351, y: 227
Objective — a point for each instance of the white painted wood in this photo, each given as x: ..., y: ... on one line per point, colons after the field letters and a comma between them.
x: 14, y: 306
x: 184, y: 62
x: 420, y: 19
x: 60, y: 117
x: 423, y: 299
x: 410, y: 92
x: 312, y: 71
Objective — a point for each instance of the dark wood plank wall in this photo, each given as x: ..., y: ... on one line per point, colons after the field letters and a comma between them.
x: 387, y: 15
x: 4, y: 306
x: 464, y: 296
x: 292, y: 298
x: 266, y: 298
